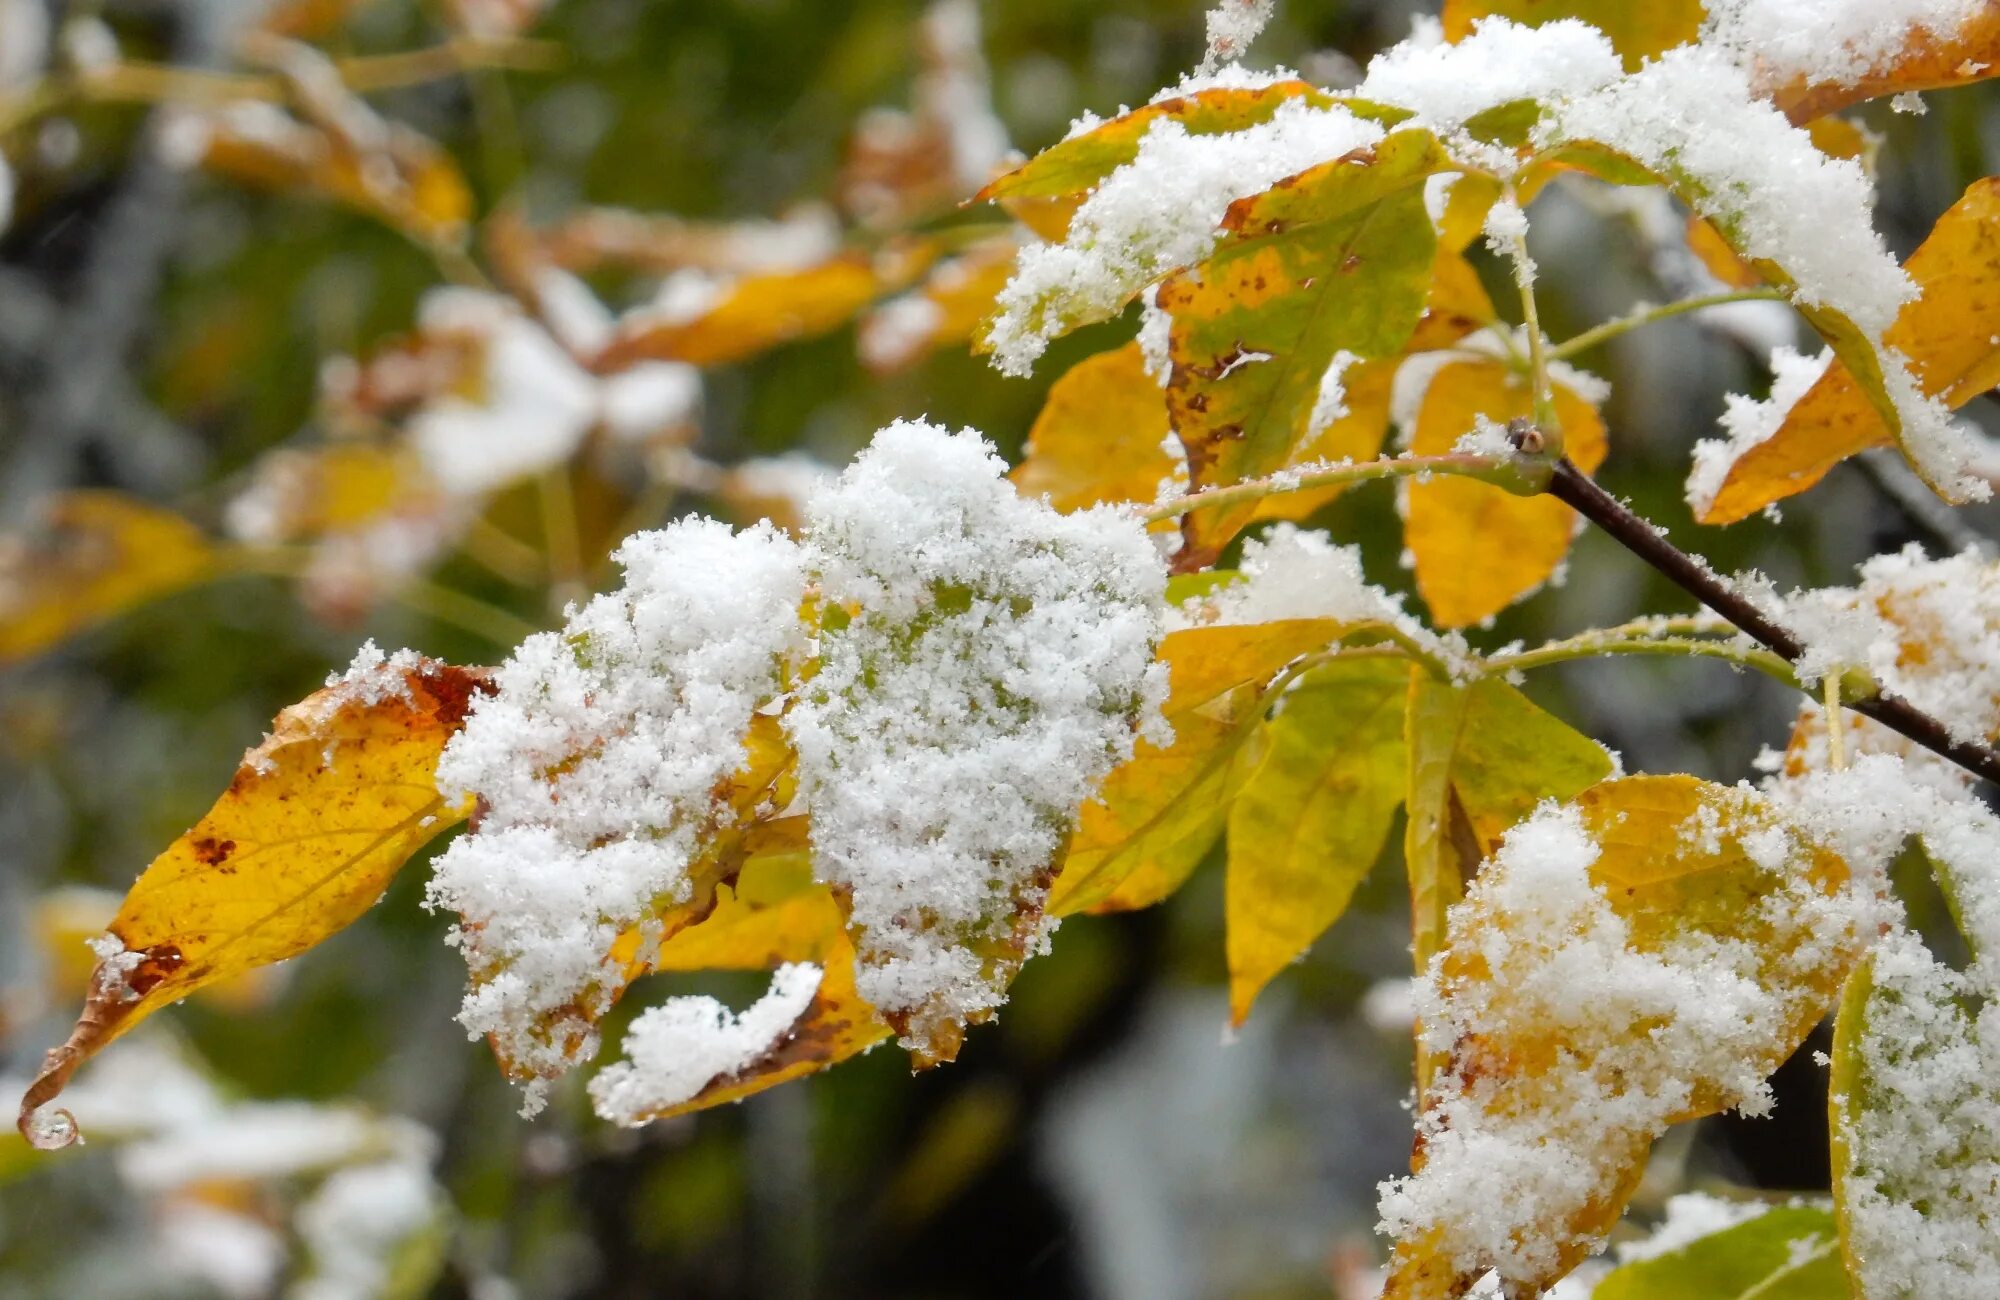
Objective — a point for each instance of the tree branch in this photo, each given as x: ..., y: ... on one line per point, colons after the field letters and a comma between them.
x: 1574, y: 488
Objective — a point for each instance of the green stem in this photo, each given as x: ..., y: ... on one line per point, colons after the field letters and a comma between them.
x: 1592, y: 645
x: 1538, y: 359
x: 1302, y: 480
x: 1611, y: 329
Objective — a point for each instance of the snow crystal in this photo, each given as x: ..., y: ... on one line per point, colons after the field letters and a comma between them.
x: 1505, y: 1157
x: 1486, y: 439
x: 1232, y: 26
x: 1154, y: 215
x: 1498, y: 63
x: 1330, y: 407
x: 596, y: 760
x: 1748, y: 422
x: 1001, y: 659
x: 678, y: 1048
x: 1826, y: 41
x: 1921, y: 1220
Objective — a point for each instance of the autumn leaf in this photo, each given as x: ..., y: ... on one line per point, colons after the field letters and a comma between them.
x: 1478, y: 547
x: 309, y: 492
x: 1366, y: 390
x: 756, y: 313
x: 776, y: 913
x: 1335, y: 260
x: 393, y: 174
x: 1312, y: 816
x: 1077, y: 164
x: 1707, y: 923
x: 1925, y: 62
x: 317, y: 821
x: 1456, y: 305
x: 92, y: 556
x: 1100, y: 436
x: 1480, y: 758
x: 1947, y: 333
x: 1784, y: 1252
x: 1637, y: 31
x: 1158, y: 814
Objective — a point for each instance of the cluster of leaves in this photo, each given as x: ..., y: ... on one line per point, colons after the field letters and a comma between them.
x: 1299, y: 738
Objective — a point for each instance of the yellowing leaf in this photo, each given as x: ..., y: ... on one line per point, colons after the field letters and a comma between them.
x: 1972, y: 53
x: 393, y: 173
x: 1714, y: 252
x: 1947, y: 333
x: 1639, y: 29
x: 1456, y: 306
x: 1100, y: 437
x: 1157, y: 814
x: 1478, y: 547
x: 91, y: 557
x: 1709, y: 927
x: 317, y: 821
x: 343, y: 485
x: 1480, y: 758
x: 1312, y: 816
x: 777, y: 913
x: 759, y: 312
x: 1336, y: 259
x: 1077, y: 164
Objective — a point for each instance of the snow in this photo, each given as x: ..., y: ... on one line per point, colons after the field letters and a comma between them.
x: 678, y: 1048
x: 1002, y: 658
x: 1747, y: 422
x: 1827, y: 41
x: 597, y: 759
x: 1330, y: 407
x: 1507, y: 1156
x: 1498, y: 63
x: 259, y: 1140
x: 1232, y: 26
x: 1154, y: 215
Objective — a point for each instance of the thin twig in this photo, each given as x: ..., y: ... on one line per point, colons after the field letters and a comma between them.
x: 1611, y: 329
x: 1304, y: 480
x: 1575, y: 489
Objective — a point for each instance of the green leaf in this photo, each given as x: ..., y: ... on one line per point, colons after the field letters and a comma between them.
x: 1789, y: 1252
x: 1337, y: 258
x: 1312, y: 817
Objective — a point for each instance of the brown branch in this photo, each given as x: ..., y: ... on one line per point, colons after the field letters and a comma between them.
x: 1575, y: 489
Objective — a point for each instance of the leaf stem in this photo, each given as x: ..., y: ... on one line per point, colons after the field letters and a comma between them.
x: 1611, y: 329
x: 1531, y: 324
x: 1575, y: 489
x: 1308, y: 477
x: 1592, y: 645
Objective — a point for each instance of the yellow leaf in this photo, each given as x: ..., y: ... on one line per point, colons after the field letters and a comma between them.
x: 1479, y: 548
x: 91, y: 557
x: 1925, y: 62
x: 317, y: 821
x: 777, y: 913
x: 391, y: 173
x: 1947, y: 333
x: 1157, y: 814
x: 1100, y: 436
x: 760, y: 312
x: 1707, y: 919
x: 1456, y: 305
x: 1639, y: 29
x: 1312, y: 816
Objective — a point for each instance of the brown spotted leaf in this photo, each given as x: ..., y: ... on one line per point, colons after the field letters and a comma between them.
x: 1335, y: 260
x: 317, y: 821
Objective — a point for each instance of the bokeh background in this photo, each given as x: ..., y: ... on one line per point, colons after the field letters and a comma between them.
x: 327, y: 1131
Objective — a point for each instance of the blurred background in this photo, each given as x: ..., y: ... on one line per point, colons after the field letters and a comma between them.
x: 223, y: 232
